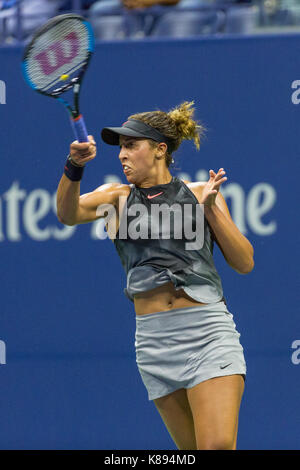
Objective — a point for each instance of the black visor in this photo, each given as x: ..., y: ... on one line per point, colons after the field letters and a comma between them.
x: 133, y: 128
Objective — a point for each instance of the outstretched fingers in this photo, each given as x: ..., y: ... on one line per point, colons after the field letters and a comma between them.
x: 217, y: 178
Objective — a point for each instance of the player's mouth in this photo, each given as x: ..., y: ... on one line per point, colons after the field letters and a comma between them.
x: 126, y: 169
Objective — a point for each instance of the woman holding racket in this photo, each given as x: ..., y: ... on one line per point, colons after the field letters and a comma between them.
x: 187, y: 347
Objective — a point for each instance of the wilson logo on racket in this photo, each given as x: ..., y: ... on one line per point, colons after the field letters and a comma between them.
x: 64, y: 39
x: 58, y: 54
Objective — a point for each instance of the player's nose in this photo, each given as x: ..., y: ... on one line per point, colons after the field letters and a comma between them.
x: 122, y: 154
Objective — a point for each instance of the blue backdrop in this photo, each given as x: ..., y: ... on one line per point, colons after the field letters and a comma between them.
x: 68, y: 377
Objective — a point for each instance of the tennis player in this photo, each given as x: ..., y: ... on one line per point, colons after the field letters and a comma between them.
x: 187, y: 347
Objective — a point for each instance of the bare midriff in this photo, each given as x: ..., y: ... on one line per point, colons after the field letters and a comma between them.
x: 162, y: 298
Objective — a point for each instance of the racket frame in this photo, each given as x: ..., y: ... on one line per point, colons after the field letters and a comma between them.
x: 77, y: 121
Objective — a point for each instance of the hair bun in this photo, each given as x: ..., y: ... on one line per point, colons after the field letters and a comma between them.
x: 187, y: 127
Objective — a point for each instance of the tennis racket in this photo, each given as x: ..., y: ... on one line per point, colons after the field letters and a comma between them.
x: 56, y: 59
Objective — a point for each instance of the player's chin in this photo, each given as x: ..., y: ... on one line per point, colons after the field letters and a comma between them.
x: 130, y: 177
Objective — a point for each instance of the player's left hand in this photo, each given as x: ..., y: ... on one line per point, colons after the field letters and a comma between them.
x: 211, y: 188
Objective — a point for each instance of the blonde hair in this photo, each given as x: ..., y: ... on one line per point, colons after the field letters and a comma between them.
x: 177, y: 125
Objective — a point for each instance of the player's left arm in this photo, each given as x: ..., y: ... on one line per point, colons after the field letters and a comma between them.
x: 236, y: 248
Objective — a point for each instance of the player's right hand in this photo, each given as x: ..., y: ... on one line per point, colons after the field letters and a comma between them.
x: 83, y: 152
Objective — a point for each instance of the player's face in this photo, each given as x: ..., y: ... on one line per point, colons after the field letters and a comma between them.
x: 137, y: 158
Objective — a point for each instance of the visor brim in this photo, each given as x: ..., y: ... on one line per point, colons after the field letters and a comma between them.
x: 111, y: 135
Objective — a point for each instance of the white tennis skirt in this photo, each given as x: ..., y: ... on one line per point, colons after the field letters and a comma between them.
x: 181, y: 348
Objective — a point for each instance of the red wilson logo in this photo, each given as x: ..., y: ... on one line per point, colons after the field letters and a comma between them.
x: 59, y: 53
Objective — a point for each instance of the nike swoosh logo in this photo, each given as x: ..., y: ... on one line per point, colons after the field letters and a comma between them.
x: 154, y: 195
x: 223, y: 367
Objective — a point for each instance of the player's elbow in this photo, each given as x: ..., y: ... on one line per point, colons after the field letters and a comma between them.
x: 66, y: 221
x: 246, y: 268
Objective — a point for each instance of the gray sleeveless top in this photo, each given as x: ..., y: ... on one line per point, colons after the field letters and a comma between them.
x: 156, y: 249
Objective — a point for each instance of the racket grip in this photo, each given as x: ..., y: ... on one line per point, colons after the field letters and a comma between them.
x: 79, y: 129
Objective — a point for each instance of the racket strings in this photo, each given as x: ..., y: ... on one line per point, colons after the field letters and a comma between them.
x: 57, y: 56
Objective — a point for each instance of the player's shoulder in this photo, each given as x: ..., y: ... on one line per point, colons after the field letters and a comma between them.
x: 111, y: 192
x: 197, y: 188
x: 115, y: 187
x: 194, y: 185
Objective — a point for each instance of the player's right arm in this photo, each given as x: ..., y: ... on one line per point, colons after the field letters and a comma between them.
x: 73, y: 208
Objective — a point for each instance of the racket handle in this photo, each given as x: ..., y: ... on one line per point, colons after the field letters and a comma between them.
x: 79, y: 129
